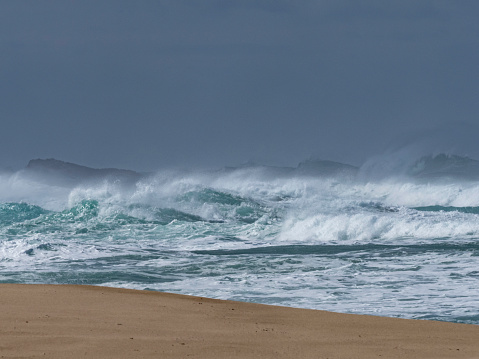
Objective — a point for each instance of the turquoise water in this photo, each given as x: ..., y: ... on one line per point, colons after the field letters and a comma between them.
x: 396, y: 246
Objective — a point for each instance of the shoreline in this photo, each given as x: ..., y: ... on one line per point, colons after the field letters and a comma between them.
x: 58, y: 321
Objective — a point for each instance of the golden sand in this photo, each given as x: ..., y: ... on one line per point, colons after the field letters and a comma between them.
x: 66, y: 321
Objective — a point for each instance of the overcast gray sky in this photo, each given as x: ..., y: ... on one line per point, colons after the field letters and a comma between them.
x: 145, y: 84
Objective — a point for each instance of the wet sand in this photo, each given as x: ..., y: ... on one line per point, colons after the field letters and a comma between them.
x: 67, y: 321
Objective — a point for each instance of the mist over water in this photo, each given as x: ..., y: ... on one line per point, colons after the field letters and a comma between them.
x: 405, y: 152
x: 397, y: 237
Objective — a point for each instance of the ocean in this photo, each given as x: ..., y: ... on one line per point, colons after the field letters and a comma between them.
x: 323, y: 235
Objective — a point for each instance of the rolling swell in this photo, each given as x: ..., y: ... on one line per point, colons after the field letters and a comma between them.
x: 473, y: 210
x: 384, y: 250
x: 34, y: 219
x: 18, y: 212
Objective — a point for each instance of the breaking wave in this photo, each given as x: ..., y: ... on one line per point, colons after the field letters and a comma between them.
x: 320, y: 235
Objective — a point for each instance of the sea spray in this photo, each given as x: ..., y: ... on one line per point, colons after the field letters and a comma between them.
x: 321, y: 235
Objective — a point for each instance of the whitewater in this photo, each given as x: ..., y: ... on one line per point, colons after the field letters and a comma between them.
x: 401, y: 242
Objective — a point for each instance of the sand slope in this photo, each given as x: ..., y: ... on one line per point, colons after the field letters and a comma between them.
x: 96, y: 322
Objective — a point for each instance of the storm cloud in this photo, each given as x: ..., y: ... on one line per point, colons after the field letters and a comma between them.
x: 148, y: 84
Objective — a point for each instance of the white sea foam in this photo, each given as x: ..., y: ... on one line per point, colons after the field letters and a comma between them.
x: 365, y: 245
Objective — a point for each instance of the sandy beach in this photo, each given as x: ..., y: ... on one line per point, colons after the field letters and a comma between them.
x: 66, y: 321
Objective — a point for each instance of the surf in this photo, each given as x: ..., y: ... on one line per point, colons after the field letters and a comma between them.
x: 319, y: 235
